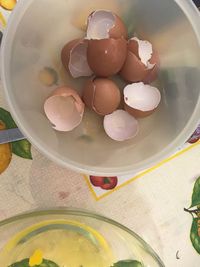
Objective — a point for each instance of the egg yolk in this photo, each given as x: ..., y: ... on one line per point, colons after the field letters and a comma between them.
x: 36, y: 258
x: 8, y: 4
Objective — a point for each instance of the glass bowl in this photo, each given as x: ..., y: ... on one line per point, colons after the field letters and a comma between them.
x: 17, y: 233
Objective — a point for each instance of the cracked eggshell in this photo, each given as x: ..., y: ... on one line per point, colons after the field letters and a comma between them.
x: 141, y: 100
x: 153, y: 73
x: 133, y: 70
x: 101, y: 95
x: 80, y: 14
x: 142, y: 49
x: 74, y: 58
x: 104, y: 24
x: 121, y: 126
x: 64, y: 109
x: 142, y: 63
x: 106, y: 57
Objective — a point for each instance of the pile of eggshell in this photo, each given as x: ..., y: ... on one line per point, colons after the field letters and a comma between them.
x: 104, y: 52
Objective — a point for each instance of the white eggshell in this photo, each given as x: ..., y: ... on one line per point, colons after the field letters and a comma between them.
x: 64, y: 109
x: 120, y: 125
x: 78, y: 64
x: 145, y: 51
x: 99, y: 24
x: 142, y: 96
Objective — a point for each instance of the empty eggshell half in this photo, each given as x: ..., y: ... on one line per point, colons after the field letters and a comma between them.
x: 101, y: 95
x: 141, y: 100
x: 74, y: 58
x: 106, y: 57
x: 64, y: 109
x: 142, y: 63
x: 121, y: 126
x: 104, y: 24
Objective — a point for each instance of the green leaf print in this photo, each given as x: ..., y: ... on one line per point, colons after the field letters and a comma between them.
x: 6, y: 117
x: 128, y: 263
x: 25, y: 263
x: 195, y: 234
x: 20, y: 148
x: 196, y: 194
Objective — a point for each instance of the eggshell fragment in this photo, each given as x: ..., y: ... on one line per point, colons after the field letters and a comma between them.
x: 103, y: 24
x: 121, y: 126
x: 64, y: 109
x: 152, y: 74
x: 101, y: 95
x: 141, y: 100
x: 80, y: 15
x: 144, y: 50
x: 74, y: 58
x: 142, y: 63
x: 106, y: 57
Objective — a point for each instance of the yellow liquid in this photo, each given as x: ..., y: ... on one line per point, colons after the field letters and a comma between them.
x: 67, y: 243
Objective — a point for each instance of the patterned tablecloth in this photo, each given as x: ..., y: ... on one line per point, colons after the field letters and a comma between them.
x: 160, y: 204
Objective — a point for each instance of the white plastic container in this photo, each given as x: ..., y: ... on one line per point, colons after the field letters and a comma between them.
x: 37, y: 31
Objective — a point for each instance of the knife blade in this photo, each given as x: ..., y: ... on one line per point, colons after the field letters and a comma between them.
x: 10, y: 135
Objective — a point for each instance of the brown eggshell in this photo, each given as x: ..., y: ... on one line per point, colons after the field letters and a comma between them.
x: 65, y: 53
x: 79, y: 19
x: 133, y: 47
x: 141, y: 100
x: 119, y: 30
x: 74, y: 58
x: 97, y: 24
x: 67, y: 91
x: 138, y: 113
x: 134, y: 70
x: 101, y: 95
x: 64, y: 109
x: 107, y: 56
x: 88, y: 94
x: 152, y: 74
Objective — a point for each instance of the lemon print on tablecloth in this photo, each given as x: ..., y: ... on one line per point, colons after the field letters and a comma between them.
x: 5, y: 152
x: 20, y: 148
x: 8, y: 4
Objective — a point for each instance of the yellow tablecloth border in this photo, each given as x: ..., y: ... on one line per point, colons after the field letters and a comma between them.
x: 97, y: 198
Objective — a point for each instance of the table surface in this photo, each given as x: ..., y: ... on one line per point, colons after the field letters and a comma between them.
x: 150, y: 203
